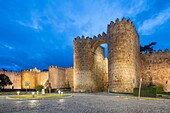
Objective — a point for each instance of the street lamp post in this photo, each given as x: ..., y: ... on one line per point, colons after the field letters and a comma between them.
x: 0, y: 86
x: 140, y: 88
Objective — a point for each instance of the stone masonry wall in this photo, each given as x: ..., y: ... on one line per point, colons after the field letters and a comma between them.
x: 41, y: 78
x: 69, y: 78
x: 155, y: 68
x: 99, y: 69
x: 84, y: 63
x: 53, y: 76
x: 57, y: 77
x: 15, y: 79
x: 61, y: 78
x: 30, y: 77
x: 34, y: 78
x: 105, y: 74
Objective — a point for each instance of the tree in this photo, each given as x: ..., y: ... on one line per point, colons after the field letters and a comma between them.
x: 147, y: 48
x: 4, y: 80
x: 39, y: 87
x: 3, y: 69
x: 48, y: 85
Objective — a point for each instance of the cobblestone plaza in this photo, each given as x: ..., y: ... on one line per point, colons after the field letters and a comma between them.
x: 86, y: 103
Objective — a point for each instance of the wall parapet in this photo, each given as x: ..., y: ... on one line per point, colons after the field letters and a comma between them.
x: 159, y: 52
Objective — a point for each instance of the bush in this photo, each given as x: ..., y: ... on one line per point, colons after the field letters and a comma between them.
x: 39, y: 87
x: 145, y: 92
x: 159, y: 89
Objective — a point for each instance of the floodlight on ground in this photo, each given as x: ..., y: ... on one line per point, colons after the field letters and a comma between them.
x: 59, y: 92
x: 33, y: 93
x: 18, y: 92
x: 37, y: 92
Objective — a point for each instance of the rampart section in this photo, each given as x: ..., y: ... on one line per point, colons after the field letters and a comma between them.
x: 28, y: 78
x: 86, y: 63
x: 15, y: 78
x: 60, y: 77
x: 69, y: 78
x: 155, y: 68
x: 41, y: 78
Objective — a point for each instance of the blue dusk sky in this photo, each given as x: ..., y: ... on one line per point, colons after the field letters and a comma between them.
x: 40, y: 33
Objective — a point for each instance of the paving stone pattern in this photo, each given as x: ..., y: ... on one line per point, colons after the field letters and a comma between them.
x: 85, y: 103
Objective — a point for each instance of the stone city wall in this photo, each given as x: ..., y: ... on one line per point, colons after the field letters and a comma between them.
x: 155, y: 68
x: 15, y: 78
x: 105, y: 74
x: 60, y: 77
x: 28, y: 77
x: 53, y: 76
x: 41, y: 78
x: 69, y: 78
x: 34, y: 78
x: 86, y: 63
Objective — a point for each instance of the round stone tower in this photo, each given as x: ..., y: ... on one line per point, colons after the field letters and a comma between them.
x: 123, y: 56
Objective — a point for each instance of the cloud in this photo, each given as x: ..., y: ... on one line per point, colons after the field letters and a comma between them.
x: 33, y: 22
x: 6, y: 46
x: 94, y: 20
x: 34, y: 25
x: 150, y: 26
x: 80, y: 19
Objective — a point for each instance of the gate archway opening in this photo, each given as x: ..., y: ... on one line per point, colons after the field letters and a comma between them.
x: 100, y: 74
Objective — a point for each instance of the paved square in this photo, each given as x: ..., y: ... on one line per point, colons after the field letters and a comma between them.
x: 85, y: 103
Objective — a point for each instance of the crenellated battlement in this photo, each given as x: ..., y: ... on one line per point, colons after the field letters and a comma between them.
x: 82, y: 39
x: 25, y: 71
x: 9, y: 72
x: 69, y: 68
x: 121, y: 26
x: 100, y: 37
x: 55, y: 67
x: 159, y: 52
x: 156, y: 57
x: 118, y: 22
x: 61, y: 68
x: 90, y: 42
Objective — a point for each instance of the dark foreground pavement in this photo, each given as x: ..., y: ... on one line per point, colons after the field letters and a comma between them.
x: 86, y: 103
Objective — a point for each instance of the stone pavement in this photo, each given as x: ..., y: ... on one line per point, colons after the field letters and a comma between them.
x: 86, y: 103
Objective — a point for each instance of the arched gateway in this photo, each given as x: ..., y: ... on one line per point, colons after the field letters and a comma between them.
x: 90, y: 71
